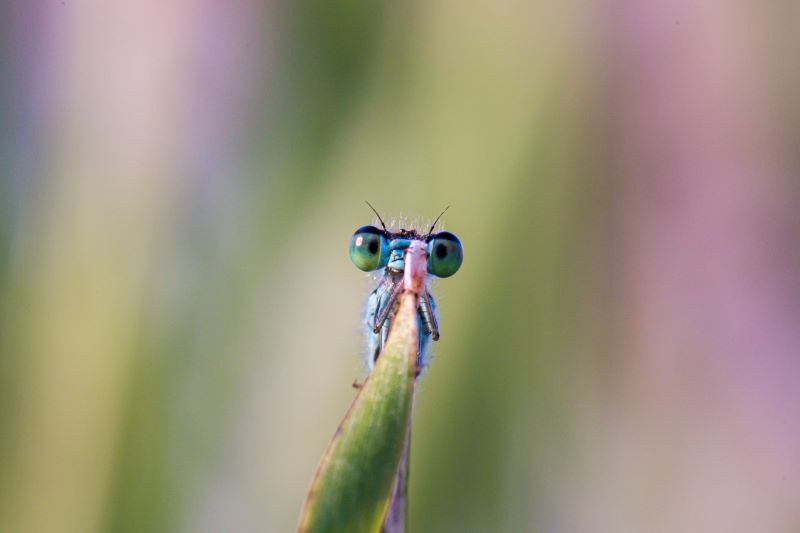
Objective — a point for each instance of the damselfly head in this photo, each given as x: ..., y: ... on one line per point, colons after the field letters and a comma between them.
x: 372, y: 248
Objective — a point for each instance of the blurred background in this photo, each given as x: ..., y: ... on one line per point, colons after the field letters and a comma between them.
x: 180, y: 321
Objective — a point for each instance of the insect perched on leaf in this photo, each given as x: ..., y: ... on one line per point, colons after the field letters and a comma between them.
x: 361, y: 482
x: 373, y: 249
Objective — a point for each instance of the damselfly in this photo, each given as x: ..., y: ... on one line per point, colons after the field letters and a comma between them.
x: 373, y: 249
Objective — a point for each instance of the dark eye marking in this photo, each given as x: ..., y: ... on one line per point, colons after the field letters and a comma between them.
x: 373, y: 246
x: 441, y: 251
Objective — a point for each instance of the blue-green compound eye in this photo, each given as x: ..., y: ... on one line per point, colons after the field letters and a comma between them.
x: 445, y: 254
x: 369, y: 249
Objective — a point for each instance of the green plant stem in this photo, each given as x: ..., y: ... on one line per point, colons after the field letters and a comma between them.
x: 397, y: 516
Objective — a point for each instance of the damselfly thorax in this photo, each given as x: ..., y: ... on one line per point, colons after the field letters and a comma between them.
x: 374, y: 249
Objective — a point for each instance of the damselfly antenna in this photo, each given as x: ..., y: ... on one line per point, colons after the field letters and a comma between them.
x: 378, y: 215
x: 430, y: 231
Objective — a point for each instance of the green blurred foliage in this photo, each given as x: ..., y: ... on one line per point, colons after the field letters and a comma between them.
x: 237, y: 327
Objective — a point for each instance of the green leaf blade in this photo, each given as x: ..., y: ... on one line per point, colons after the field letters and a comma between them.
x: 353, y: 486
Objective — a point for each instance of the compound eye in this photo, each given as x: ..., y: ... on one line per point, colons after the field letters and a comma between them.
x: 445, y: 254
x: 369, y: 249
